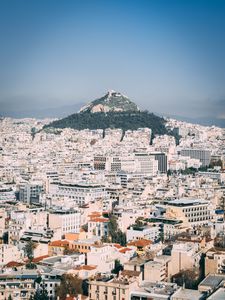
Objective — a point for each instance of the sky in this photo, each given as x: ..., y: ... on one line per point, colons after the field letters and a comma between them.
x: 167, y: 56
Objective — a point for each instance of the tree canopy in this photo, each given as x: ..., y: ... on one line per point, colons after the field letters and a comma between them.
x: 124, y: 120
x: 70, y: 285
x: 115, y: 234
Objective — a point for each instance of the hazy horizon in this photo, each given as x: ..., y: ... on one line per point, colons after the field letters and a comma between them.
x: 166, y: 56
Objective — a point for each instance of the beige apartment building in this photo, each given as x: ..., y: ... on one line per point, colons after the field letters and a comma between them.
x: 192, y: 212
x: 155, y: 271
x: 184, y: 256
x: 215, y: 262
x: 114, y: 288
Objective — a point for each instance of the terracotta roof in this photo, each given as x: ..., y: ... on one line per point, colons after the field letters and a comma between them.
x: 95, y: 214
x: 59, y: 243
x: 86, y: 267
x: 39, y: 258
x: 13, y: 264
x: 140, y: 243
x: 118, y: 246
x: 100, y: 220
x: 124, y: 250
x: 130, y: 273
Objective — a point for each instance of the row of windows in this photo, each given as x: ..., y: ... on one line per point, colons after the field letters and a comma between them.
x: 195, y: 208
x: 199, y: 219
x: 202, y: 214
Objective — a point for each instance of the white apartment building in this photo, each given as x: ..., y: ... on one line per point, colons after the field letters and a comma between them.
x: 6, y: 194
x: 80, y: 194
x: 146, y: 232
x: 29, y: 192
x: 66, y: 220
x: 98, y: 227
x: 103, y: 256
x: 203, y: 155
x: 145, y: 164
x: 9, y: 253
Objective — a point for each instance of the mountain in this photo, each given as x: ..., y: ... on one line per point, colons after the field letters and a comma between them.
x: 112, y: 111
x: 111, y: 101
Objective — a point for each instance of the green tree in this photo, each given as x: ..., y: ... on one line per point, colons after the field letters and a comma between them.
x: 71, y: 285
x: 128, y: 120
x: 190, y: 278
x: 85, y: 227
x: 216, y: 163
x: 41, y: 292
x: 10, y: 297
x: 115, y: 234
x: 68, y: 251
x: 118, y: 267
x: 139, y: 222
x: 105, y: 239
x: 29, y: 252
x: 85, y: 287
x: 29, y: 249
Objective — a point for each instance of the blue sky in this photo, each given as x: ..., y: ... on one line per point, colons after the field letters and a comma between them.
x: 168, y: 56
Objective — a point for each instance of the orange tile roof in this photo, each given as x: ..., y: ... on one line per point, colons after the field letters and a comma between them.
x: 118, y: 246
x: 130, y: 273
x: 86, y: 267
x: 95, y: 213
x: 13, y: 264
x: 39, y: 258
x: 100, y: 220
x: 140, y: 243
x: 124, y: 250
x: 60, y: 243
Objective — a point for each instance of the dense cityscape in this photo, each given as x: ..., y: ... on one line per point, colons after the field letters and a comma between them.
x: 110, y: 214
x: 112, y: 150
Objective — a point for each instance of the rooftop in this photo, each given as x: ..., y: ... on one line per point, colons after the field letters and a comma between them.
x: 187, y: 294
x: 186, y: 202
x: 212, y: 280
x: 218, y: 295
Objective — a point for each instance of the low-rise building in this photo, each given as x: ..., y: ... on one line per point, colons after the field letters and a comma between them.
x: 150, y: 232
x: 114, y: 288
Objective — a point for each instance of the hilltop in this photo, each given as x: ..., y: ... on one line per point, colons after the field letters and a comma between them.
x: 113, y: 110
x: 111, y: 101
